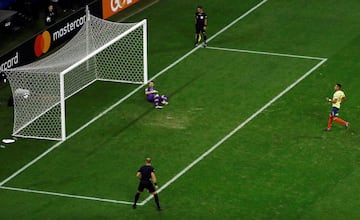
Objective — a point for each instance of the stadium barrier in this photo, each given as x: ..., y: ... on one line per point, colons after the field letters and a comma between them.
x: 52, y: 37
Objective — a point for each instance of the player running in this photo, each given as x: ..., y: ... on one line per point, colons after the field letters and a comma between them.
x: 338, y: 98
x: 200, y: 26
x: 153, y: 96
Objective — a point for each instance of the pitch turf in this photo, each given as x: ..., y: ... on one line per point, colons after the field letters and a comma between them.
x: 278, y: 165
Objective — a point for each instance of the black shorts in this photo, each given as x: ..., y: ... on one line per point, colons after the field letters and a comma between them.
x: 146, y: 185
x: 199, y: 28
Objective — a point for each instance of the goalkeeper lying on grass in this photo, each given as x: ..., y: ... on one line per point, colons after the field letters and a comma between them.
x: 153, y: 96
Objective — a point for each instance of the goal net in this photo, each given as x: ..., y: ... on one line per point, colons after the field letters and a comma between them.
x: 101, y: 50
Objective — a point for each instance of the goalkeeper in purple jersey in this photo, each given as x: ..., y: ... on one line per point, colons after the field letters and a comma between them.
x: 153, y: 96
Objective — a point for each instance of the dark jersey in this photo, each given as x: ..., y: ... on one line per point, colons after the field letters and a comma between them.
x: 146, y: 173
x: 150, y: 97
x: 50, y: 18
x: 200, y: 19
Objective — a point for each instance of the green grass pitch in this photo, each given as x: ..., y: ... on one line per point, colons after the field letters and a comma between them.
x: 241, y: 138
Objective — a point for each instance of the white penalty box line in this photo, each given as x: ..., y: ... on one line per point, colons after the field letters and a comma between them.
x: 136, y: 90
x: 197, y: 160
x: 66, y: 195
x: 128, y: 95
x: 235, y: 130
x: 267, y: 53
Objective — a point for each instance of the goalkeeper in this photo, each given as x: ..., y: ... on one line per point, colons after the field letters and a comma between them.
x: 153, y: 96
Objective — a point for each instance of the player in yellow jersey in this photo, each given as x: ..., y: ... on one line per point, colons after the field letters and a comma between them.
x: 338, y: 98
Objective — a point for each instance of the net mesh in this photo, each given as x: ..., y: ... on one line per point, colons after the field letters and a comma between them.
x: 101, y: 50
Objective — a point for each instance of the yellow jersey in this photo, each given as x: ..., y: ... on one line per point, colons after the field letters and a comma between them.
x: 338, y: 95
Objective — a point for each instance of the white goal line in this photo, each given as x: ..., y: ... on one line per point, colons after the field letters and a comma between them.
x: 322, y: 60
x: 202, y: 156
x: 126, y: 97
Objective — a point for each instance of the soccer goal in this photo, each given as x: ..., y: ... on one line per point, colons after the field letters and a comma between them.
x: 101, y: 50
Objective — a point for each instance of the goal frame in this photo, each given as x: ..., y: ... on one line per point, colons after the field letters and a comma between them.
x: 62, y: 80
x: 92, y: 54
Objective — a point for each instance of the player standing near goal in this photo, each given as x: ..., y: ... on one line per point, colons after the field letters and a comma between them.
x: 200, y: 26
x: 153, y: 96
x: 146, y: 175
x: 338, y: 98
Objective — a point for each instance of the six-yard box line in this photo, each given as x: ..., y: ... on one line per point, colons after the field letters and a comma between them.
x: 321, y: 61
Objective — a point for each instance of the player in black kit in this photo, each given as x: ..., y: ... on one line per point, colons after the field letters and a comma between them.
x: 146, y: 175
x: 200, y: 25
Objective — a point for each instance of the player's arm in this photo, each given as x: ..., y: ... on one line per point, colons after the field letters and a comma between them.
x: 205, y: 23
x: 138, y: 175
x: 343, y: 99
x: 153, y: 179
x: 150, y: 92
x: 334, y: 100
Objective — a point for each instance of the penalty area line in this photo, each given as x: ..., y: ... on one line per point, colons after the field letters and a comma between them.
x: 22, y: 169
x: 266, y: 53
x: 229, y: 135
x: 66, y: 195
x: 124, y: 98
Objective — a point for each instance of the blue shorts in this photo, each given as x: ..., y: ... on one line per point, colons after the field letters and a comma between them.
x: 334, y: 112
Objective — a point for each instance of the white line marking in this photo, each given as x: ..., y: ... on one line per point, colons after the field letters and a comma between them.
x: 235, y: 130
x: 238, y: 19
x: 123, y: 99
x: 186, y: 168
x: 201, y: 156
x: 66, y: 195
x: 266, y: 53
x: 211, y: 38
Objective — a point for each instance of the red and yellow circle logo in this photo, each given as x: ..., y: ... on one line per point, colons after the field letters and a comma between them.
x: 42, y: 43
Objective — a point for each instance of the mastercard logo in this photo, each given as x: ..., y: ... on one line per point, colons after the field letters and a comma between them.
x: 42, y: 43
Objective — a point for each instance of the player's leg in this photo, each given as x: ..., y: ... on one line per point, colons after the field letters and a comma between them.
x: 137, y: 195
x: 196, y: 39
x: 164, y: 100
x: 341, y: 121
x: 157, y: 202
x: 197, y: 35
x: 332, y: 115
x: 157, y: 101
x: 335, y: 113
x: 136, y: 198
x: 152, y: 190
x: 204, y: 36
x: 330, y: 121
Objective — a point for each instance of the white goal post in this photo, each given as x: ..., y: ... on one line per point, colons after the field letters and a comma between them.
x: 101, y: 50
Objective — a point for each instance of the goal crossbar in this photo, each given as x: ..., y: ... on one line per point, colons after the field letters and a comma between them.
x: 141, y: 23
